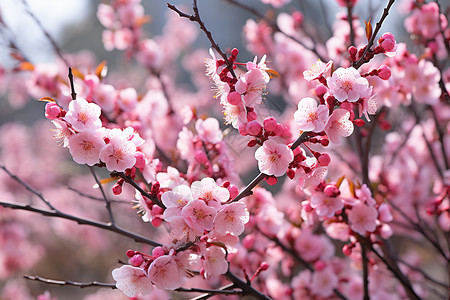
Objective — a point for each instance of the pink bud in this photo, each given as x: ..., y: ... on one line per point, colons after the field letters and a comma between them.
x: 156, y: 210
x: 243, y: 129
x: 201, y: 157
x: 319, y: 265
x: 324, y: 159
x: 156, y: 222
x: 234, y: 191
x: 352, y: 51
x: 321, y: 90
x: 279, y: 130
x: 117, y: 189
x: 387, y: 42
x: 140, y: 160
x: 384, y: 72
x: 347, y: 250
x: 331, y: 190
x: 234, y: 52
x: 271, y: 180
x: 359, y: 122
x: 270, y: 123
x: 130, y: 253
x: 248, y: 241
x: 234, y: 98
x: 52, y: 110
x: 298, y: 18
x: 136, y: 260
x: 251, y: 115
x: 264, y: 266
x: 307, y: 206
x: 158, y: 251
x: 254, y: 128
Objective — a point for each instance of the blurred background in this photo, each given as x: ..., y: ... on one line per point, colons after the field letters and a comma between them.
x: 74, y: 27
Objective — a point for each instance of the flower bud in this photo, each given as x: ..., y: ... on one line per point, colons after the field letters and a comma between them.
x: 140, y: 160
x: 158, y: 251
x: 254, y: 128
x: 136, y: 260
x: 52, y: 110
x: 324, y: 159
x: 384, y: 72
x: 234, y: 98
x: 270, y: 123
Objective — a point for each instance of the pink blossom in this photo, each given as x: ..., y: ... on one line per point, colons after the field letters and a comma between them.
x: 105, y: 96
x: 185, y: 144
x: 345, y: 3
x: 338, y: 231
x: 231, y: 218
x: 170, y: 179
x: 347, y: 84
x: 326, y: 206
x: 150, y: 54
x: 311, y: 117
x: 251, y: 86
x: 317, y: 70
x: 312, y: 247
x: 388, y: 44
x: 269, y: 219
x: 273, y: 158
x: 426, y: 21
x: 235, y: 114
x: 339, y: 126
x: 323, y: 282
x: 363, y: 218
x: 165, y: 274
x: 181, y: 231
x: 132, y: 281
x: 175, y: 200
x: 118, y: 154
x: 83, y: 115
x: 85, y: 147
x: 62, y: 132
x: 208, y: 191
x: 198, y: 215
x: 127, y: 99
x: 106, y: 15
x: 215, y: 263
x: 209, y: 130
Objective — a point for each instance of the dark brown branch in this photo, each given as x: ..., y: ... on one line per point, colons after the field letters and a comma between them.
x: 260, y: 177
x: 246, y: 288
x: 129, y: 180
x: 275, y: 27
x: 350, y: 23
x: 55, y: 46
x: 196, y: 18
x: 362, y: 60
x: 82, y: 221
x: 71, y: 283
x: 72, y: 85
x: 106, y: 199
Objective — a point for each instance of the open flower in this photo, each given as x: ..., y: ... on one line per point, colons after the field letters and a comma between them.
x: 311, y: 117
x: 339, y: 126
x: 347, y: 84
x: 85, y: 147
x: 83, y: 115
x: 273, y: 158
x: 132, y: 281
x: 118, y: 154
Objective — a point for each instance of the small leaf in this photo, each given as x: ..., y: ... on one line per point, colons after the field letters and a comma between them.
x: 143, y: 20
x: 352, y: 187
x: 108, y: 180
x: 25, y: 66
x: 272, y: 73
x: 339, y: 182
x: 47, y: 99
x: 77, y: 73
x: 368, y: 30
x: 101, y: 70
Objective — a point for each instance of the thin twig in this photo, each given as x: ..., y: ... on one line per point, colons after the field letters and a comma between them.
x: 107, y: 201
x: 362, y: 60
x: 350, y: 22
x: 275, y: 27
x: 55, y: 46
x: 70, y: 282
x: 96, y: 198
x: 28, y: 187
x: 196, y: 18
x: 82, y: 221
x: 260, y: 177
x: 246, y: 288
